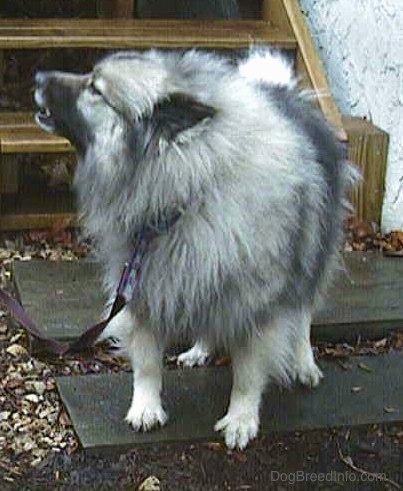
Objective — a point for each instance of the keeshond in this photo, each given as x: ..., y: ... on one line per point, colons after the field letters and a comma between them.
x: 255, y: 180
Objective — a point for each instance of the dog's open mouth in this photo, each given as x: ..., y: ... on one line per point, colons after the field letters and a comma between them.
x: 45, y: 119
x: 43, y: 116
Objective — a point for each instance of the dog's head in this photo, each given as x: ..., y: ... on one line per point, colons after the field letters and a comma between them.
x: 127, y: 95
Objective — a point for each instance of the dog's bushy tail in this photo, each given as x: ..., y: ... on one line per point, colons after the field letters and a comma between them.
x: 267, y: 66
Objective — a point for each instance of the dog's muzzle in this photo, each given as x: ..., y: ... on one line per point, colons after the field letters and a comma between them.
x: 43, y: 116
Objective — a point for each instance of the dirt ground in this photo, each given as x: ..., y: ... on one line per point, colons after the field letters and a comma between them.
x: 334, y: 459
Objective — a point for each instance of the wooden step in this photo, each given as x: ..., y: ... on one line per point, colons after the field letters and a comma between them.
x: 134, y: 33
x: 30, y: 220
x: 26, y: 210
x: 16, y: 119
x: 196, y: 398
x: 368, y: 149
x: 31, y: 139
x: 20, y: 134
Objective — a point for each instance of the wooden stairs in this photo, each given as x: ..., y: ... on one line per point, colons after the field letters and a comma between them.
x: 282, y: 25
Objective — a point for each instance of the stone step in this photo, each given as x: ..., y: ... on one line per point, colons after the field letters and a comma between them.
x: 64, y: 297
x: 196, y: 398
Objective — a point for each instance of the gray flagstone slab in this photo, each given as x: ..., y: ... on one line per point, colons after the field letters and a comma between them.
x: 64, y: 298
x: 196, y: 398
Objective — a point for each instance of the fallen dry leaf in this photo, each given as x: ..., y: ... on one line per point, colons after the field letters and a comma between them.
x: 32, y: 398
x: 215, y: 446
x: 399, y: 340
x: 36, y: 386
x: 240, y: 457
x: 64, y: 419
x: 16, y: 350
x: 364, y: 367
x: 222, y: 361
x: 390, y: 409
x: 381, y: 343
x: 152, y: 483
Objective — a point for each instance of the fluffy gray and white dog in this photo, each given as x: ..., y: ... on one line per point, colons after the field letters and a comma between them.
x: 257, y: 181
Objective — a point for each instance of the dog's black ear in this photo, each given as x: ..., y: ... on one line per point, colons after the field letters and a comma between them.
x: 178, y: 113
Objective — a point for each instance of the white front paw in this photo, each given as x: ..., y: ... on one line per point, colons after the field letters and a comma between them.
x: 238, y: 427
x: 307, y: 370
x: 197, y: 355
x: 310, y: 375
x: 143, y: 416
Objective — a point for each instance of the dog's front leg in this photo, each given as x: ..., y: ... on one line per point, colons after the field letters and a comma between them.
x: 241, y: 423
x: 146, y: 410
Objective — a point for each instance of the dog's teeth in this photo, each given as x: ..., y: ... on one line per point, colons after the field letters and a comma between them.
x: 45, y: 111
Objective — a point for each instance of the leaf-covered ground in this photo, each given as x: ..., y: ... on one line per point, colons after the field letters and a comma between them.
x: 39, y: 450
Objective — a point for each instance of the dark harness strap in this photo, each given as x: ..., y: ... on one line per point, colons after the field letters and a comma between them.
x: 127, y: 289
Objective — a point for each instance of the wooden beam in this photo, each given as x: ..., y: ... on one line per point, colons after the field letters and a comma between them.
x: 9, y: 174
x: 273, y: 11
x: 2, y: 67
x: 310, y: 59
x: 16, y: 119
x: 26, y: 221
x: 368, y: 149
x: 37, y: 209
x: 31, y: 139
x: 133, y: 33
x: 287, y: 15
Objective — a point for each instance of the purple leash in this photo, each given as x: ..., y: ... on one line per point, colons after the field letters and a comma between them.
x: 130, y: 277
x: 127, y: 289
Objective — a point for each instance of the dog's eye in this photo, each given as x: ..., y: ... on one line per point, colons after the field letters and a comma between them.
x: 93, y: 89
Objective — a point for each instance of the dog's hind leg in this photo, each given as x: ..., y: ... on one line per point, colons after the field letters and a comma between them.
x: 307, y: 371
x: 197, y: 355
x: 146, y: 410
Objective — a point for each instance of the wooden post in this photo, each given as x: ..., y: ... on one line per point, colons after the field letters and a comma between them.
x: 9, y: 174
x: 273, y: 11
x: 287, y: 15
x: 368, y: 149
x: 2, y: 67
x: 367, y: 144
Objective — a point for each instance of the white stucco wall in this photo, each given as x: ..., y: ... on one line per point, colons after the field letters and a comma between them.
x: 361, y: 45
